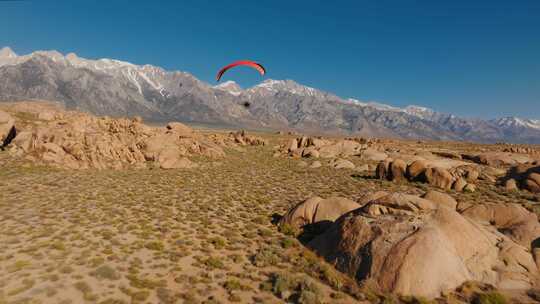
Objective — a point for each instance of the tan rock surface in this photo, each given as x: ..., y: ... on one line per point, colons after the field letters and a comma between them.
x: 317, y: 209
x: 410, y: 246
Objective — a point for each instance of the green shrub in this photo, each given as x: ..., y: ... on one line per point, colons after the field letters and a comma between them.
x: 492, y: 297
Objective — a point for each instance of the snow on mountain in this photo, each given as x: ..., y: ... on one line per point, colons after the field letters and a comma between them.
x: 6, y: 52
x: 230, y: 87
x: 375, y: 105
x: 290, y: 86
x: 133, y: 73
x: 513, y: 122
x: 419, y: 111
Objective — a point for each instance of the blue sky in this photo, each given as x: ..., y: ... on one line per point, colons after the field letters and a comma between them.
x: 472, y: 58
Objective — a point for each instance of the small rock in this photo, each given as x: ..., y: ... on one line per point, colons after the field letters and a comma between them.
x: 342, y: 164
x: 316, y: 164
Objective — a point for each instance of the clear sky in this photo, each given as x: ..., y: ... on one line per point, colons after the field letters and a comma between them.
x: 471, y: 58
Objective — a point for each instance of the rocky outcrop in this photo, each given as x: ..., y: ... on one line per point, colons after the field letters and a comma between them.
x: 75, y: 140
x: 242, y: 138
x: 513, y: 220
x: 458, y: 178
x: 522, y: 150
x: 318, y: 147
x: 526, y: 177
x: 408, y: 245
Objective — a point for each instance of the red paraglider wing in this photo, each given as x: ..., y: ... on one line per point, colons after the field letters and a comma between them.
x: 249, y: 63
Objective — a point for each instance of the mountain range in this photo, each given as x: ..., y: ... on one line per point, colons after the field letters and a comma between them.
x: 117, y: 88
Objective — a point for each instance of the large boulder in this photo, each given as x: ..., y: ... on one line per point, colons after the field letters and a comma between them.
x: 532, y: 182
x: 528, y: 176
x: 342, y: 148
x: 468, y: 172
x: 513, y: 220
x: 398, y: 204
x: 497, y: 159
x: 439, y: 177
x: 292, y: 145
x: 373, y: 155
x: 397, y: 169
x: 410, y: 246
x: 316, y: 210
x: 416, y: 170
x: 383, y: 169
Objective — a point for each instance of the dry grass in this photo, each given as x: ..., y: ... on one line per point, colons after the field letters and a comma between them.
x: 172, y: 236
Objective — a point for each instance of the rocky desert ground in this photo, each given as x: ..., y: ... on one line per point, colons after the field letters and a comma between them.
x: 112, y: 210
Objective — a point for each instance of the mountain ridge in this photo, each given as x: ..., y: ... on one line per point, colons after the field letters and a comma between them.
x: 118, y: 88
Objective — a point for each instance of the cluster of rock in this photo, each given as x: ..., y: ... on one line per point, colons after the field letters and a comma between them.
x: 243, y: 139
x: 460, y: 178
x: 526, y: 177
x: 423, y: 246
x: 316, y: 147
x: 520, y: 149
x: 78, y: 140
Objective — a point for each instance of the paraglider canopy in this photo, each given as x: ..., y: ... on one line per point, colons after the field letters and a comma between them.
x: 249, y: 63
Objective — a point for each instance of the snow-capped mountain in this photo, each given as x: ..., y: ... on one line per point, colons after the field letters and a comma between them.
x: 118, y: 88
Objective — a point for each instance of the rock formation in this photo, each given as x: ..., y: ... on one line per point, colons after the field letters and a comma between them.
x: 77, y: 140
x: 405, y: 244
